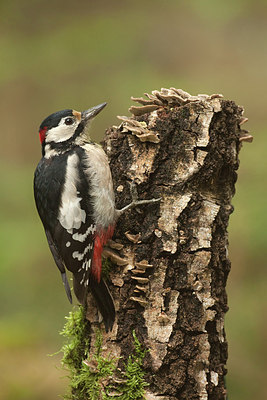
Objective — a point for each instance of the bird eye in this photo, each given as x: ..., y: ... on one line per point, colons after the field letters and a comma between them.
x: 69, y: 121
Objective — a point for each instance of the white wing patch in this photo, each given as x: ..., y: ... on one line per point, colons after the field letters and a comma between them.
x: 80, y: 256
x: 71, y: 214
x: 80, y: 237
x: 86, y: 265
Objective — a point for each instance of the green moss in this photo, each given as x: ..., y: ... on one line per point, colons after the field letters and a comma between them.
x: 77, y: 331
x: 106, y: 267
x: 90, y: 381
x: 92, y: 378
x: 134, y: 387
x: 86, y: 373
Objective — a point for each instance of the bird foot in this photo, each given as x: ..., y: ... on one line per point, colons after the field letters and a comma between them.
x: 135, y: 202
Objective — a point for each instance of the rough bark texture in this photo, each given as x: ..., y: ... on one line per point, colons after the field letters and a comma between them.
x: 171, y: 288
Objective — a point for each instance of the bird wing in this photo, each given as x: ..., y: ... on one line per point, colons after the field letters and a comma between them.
x: 76, y: 249
x: 47, y: 189
x: 61, y: 193
x: 73, y: 229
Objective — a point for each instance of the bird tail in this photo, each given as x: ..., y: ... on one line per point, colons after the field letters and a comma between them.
x: 104, y: 301
x: 102, y: 296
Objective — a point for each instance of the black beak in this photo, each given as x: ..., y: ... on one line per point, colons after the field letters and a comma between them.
x: 92, y: 112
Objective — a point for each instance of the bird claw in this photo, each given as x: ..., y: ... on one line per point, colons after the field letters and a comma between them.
x: 135, y: 202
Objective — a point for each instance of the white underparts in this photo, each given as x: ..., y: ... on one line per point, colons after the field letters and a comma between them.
x: 101, y: 186
x: 71, y: 215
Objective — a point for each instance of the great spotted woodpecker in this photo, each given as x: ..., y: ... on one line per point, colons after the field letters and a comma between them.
x: 74, y: 197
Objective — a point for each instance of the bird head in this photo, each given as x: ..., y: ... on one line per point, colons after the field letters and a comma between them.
x: 63, y: 128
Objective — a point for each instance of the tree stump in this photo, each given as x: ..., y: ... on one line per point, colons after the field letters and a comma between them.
x: 169, y: 284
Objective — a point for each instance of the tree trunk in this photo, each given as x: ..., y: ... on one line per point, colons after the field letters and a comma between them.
x: 170, y: 286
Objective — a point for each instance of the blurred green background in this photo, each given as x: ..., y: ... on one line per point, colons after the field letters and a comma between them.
x: 66, y: 54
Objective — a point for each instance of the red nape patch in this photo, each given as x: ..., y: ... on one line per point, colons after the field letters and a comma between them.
x: 42, y: 133
x: 101, y: 239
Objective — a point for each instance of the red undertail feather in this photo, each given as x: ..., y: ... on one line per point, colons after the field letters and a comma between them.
x: 101, y: 239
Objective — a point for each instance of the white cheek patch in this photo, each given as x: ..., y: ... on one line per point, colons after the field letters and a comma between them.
x: 61, y: 133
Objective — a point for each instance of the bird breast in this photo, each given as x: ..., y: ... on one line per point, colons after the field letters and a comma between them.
x: 100, y: 185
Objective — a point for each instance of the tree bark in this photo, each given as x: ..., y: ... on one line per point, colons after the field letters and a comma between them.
x: 170, y: 285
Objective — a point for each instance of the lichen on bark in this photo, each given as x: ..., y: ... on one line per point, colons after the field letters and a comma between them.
x: 169, y: 286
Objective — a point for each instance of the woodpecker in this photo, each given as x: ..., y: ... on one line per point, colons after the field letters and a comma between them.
x: 74, y: 197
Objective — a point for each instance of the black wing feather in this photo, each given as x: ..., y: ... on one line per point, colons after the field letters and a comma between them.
x: 59, y: 264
